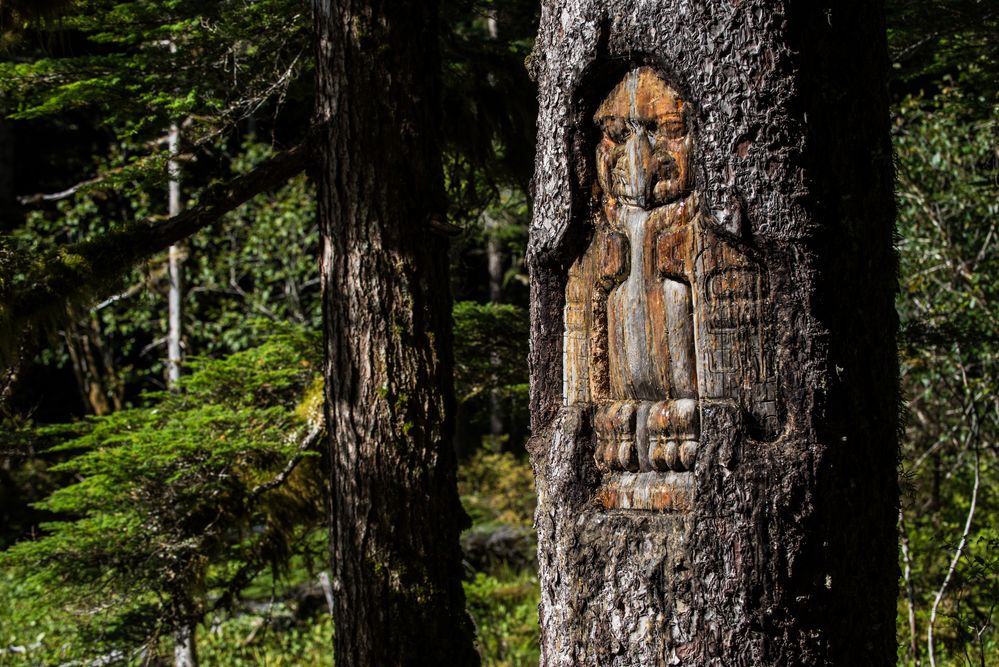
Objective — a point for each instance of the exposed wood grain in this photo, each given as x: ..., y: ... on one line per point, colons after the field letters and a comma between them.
x: 636, y: 348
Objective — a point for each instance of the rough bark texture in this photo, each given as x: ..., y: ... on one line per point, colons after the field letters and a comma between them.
x: 784, y: 551
x: 395, y: 510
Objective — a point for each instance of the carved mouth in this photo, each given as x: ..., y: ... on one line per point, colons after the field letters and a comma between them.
x: 646, y: 202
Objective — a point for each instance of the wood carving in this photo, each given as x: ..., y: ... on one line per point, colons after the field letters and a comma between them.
x: 664, y: 314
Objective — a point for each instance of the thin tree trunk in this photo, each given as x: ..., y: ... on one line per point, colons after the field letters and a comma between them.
x: 185, y: 647
x: 175, y: 271
x: 713, y: 364
x: 395, y: 515
x: 910, y: 593
x: 494, y: 256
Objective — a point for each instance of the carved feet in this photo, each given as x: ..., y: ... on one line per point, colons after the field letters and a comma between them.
x: 614, y: 424
x: 674, y: 427
x: 646, y: 436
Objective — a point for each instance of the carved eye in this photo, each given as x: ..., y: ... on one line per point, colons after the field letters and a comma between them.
x: 673, y: 127
x: 617, y: 130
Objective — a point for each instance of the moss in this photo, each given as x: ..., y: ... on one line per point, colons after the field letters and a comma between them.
x: 310, y: 408
x: 74, y: 262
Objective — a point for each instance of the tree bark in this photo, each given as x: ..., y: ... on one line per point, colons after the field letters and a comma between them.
x: 767, y: 536
x: 395, y: 515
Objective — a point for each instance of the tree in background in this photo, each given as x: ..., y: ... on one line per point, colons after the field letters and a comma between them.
x: 395, y: 515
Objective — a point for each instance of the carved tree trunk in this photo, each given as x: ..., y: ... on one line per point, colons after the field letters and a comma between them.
x: 713, y: 361
x: 395, y: 515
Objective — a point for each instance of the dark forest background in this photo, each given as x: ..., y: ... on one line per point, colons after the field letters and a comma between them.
x: 125, y: 504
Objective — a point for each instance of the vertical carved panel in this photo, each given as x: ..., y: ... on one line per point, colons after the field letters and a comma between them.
x: 663, y: 314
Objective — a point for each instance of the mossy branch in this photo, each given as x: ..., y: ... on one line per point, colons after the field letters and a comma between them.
x: 84, y: 272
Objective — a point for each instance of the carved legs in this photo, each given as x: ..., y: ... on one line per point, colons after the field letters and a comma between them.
x: 644, y: 436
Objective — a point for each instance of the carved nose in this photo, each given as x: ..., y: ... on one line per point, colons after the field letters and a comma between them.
x: 644, y: 168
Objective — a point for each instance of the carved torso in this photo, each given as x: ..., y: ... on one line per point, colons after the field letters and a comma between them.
x: 649, y: 314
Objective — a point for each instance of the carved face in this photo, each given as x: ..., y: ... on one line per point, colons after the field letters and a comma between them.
x: 644, y: 154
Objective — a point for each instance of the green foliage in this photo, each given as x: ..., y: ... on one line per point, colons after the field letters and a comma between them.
x: 497, y: 487
x: 179, y: 505
x: 945, y: 40
x: 32, y: 632
x: 500, y: 329
x: 250, y: 640
x: 273, y: 632
x: 505, y: 611
x: 130, y: 69
x: 229, y: 59
x: 497, y: 491
x: 260, y: 264
x: 948, y: 203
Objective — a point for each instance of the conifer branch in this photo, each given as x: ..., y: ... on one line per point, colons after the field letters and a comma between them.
x: 304, y: 446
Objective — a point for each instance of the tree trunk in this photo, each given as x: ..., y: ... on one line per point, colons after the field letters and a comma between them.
x: 185, y: 647
x: 185, y: 653
x: 494, y: 257
x: 175, y: 265
x: 713, y: 370
x: 395, y: 515
x: 494, y: 263
x: 97, y: 377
